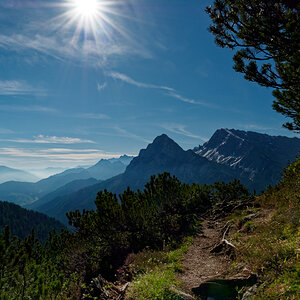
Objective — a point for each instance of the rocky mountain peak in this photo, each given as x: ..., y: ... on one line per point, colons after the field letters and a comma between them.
x: 162, y: 144
x: 252, y: 152
x: 162, y: 152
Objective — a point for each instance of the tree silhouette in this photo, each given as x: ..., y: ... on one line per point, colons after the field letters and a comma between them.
x: 266, y: 35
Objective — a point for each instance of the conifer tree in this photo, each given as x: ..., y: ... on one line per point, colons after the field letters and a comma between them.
x: 266, y: 37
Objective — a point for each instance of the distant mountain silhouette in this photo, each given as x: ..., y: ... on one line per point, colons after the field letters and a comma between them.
x: 160, y: 156
x: 9, y: 174
x: 107, y: 168
x: 24, y: 193
x: 70, y: 187
x: 253, y: 158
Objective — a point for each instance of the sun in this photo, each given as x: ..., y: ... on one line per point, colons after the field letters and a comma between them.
x: 88, y: 14
x: 87, y: 8
x: 91, y: 23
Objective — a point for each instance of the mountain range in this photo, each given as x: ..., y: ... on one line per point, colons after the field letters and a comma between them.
x: 25, y: 193
x: 8, y: 174
x: 259, y: 157
x: 253, y: 158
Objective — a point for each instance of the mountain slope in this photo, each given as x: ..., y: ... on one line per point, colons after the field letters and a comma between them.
x: 255, y: 159
x: 160, y: 156
x: 9, y: 174
x: 23, y: 193
x: 107, y: 168
x: 260, y: 157
x: 21, y: 221
x: 165, y: 155
x: 70, y: 187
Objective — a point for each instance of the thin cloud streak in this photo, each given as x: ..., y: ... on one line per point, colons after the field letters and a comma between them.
x: 68, y: 150
x: 41, y: 139
x: 170, y: 91
x: 255, y: 127
x: 34, y: 108
x: 16, y: 87
x: 94, y: 116
x: 191, y: 101
x: 127, y: 79
x: 6, y: 131
x: 124, y: 133
x: 66, y: 156
x: 63, y: 48
x: 180, y: 129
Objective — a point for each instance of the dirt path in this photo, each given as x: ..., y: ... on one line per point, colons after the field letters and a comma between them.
x: 198, y: 263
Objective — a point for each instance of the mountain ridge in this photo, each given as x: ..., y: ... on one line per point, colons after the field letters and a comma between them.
x: 162, y: 155
x: 24, y: 193
x: 256, y: 155
x: 10, y: 174
x: 223, y: 158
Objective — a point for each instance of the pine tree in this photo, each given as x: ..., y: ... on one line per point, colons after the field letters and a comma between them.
x: 266, y: 35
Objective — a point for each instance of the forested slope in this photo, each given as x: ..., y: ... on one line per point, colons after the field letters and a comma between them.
x: 22, y: 221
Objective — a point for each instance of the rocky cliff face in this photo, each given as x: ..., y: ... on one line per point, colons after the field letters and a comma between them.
x: 164, y: 155
x: 260, y: 157
x: 255, y: 159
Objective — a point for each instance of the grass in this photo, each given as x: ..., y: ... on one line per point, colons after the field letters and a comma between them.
x: 267, y: 238
x: 269, y: 246
x: 156, y: 273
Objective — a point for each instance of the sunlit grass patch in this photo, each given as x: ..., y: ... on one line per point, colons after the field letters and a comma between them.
x: 270, y: 248
x: 157, y: 273
x: 155, y: 284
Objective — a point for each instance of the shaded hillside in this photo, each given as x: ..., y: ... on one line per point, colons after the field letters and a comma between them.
x: 267, y: 238
x: 260, y: 157
x: 139, y: 239
x: 163, y: 155
x: 71, y: 187
x: 251, y: 252
x: 22, y: 221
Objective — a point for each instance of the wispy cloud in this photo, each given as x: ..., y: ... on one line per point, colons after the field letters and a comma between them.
x: 180, y: 129
x: 127, y: 79
x: 16, y: 87
x: 171, y: 92
x: 100, y: 86
x: 41, y: 139
x: 63, y: 47
x: 254, y: 127
x: 94, y: 116
x: 6, y: 131
x: 58, y: 154
x: 191, y: 101
x: 29, y: 108
x: 125, y: 133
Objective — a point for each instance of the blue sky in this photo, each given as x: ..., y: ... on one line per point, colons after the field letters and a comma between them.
x: 70, y: 95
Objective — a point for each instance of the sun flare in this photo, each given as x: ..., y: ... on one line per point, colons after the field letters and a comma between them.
x: 88, y: 14
x: 92, y: 24
x: 87, y: 8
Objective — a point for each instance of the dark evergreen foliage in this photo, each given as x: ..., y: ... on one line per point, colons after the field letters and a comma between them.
x: 267, y: 36
x: 159, y: 216
x: 22, y: 221
x: 62, y: 267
